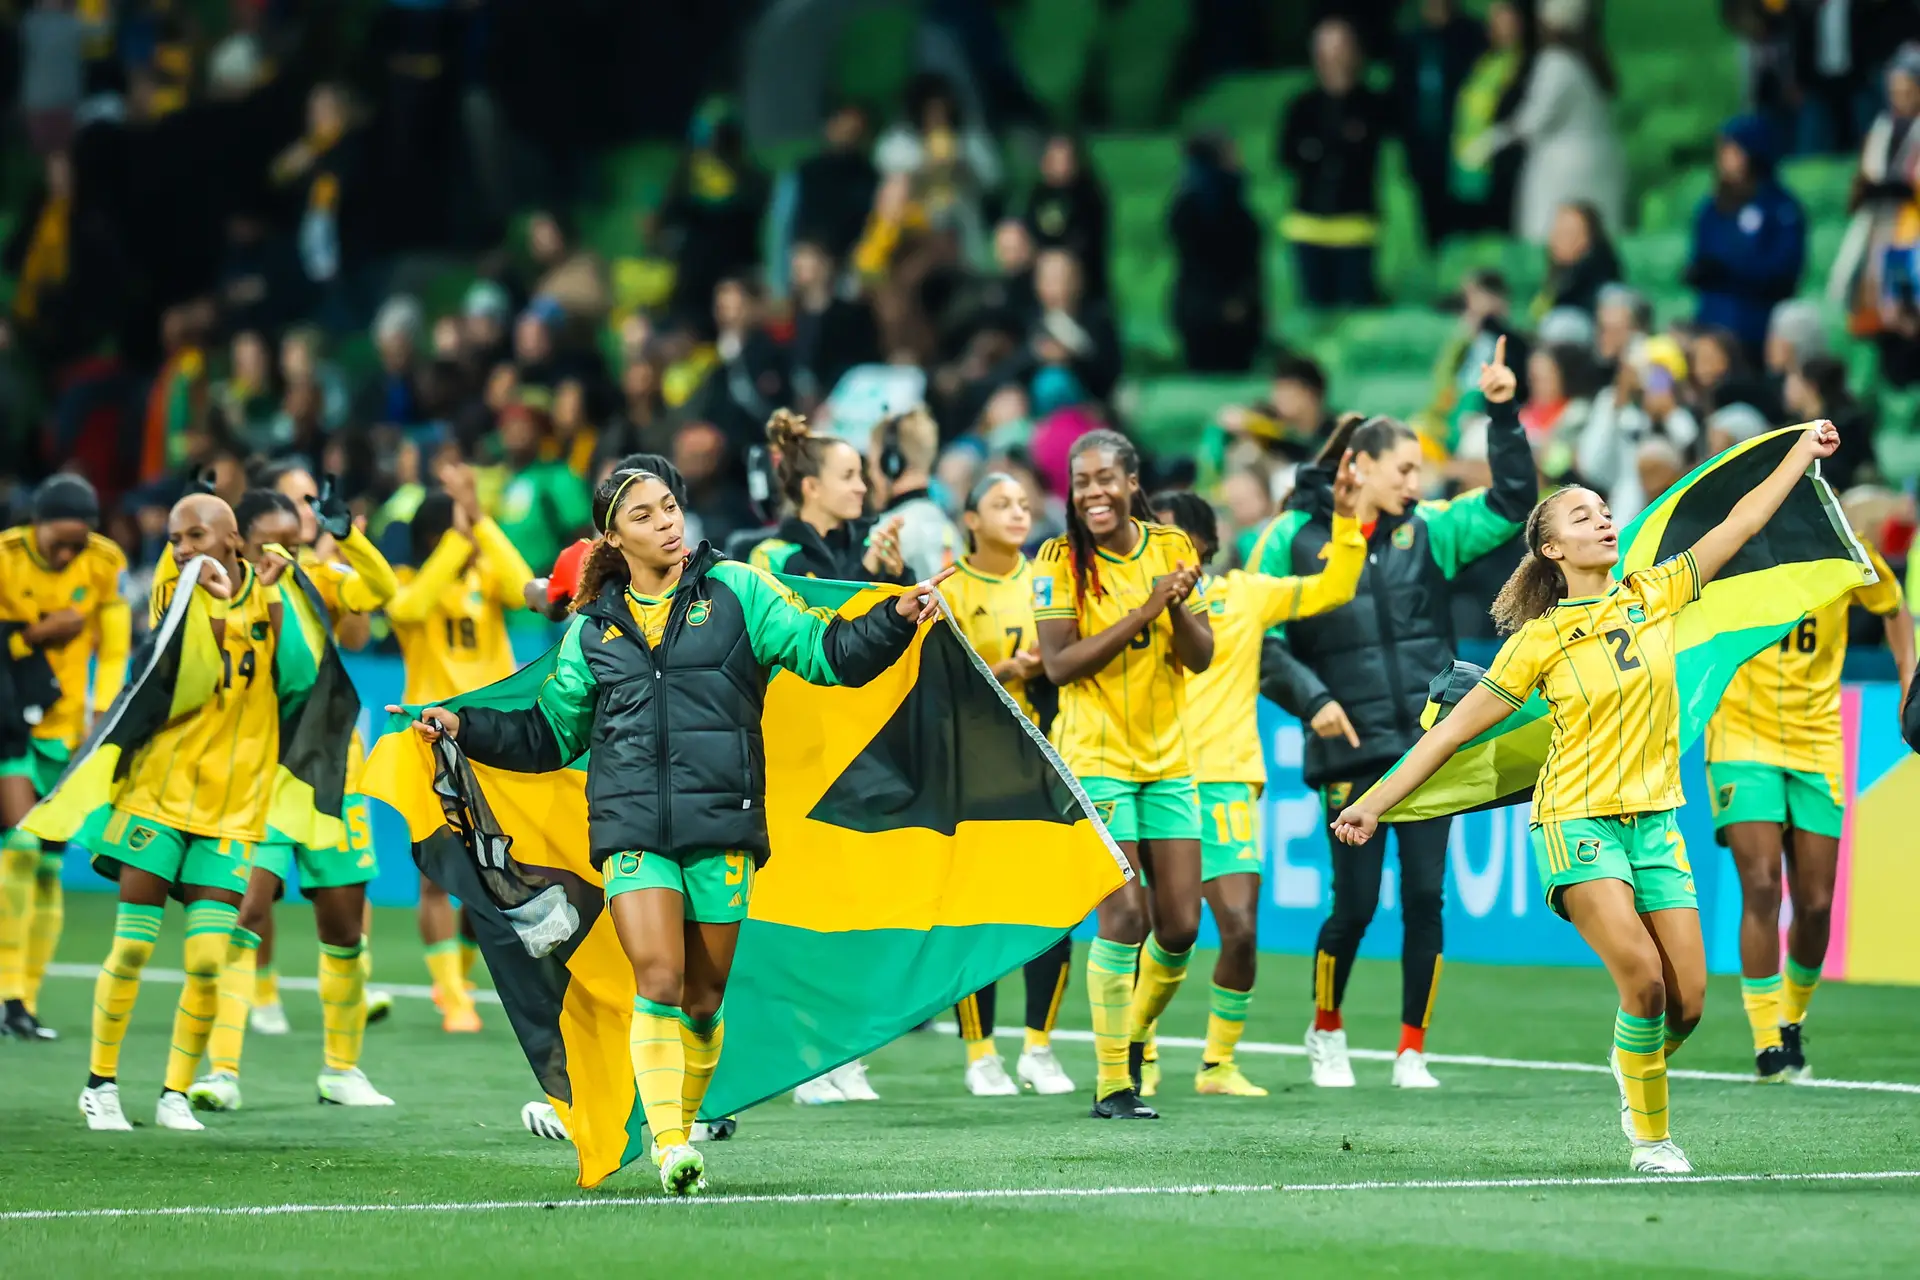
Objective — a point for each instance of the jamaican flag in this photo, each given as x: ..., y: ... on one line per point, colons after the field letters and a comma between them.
x: 177, y: 670
x: 925, y: 841
x: 318, y: 711
x: 1806, y: 557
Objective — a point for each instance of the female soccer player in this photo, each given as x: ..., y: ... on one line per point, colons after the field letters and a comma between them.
x: 826, y: 533
x: 1604, y: 837
x: 661, y: 675
x: 61, y: 582
x: 1357, y: 677
x: 992, y: 599
x: 334, y: 875
x: 449, y: 616
x: 1774, y: 758
x: 1120, y: 632
x: 1242, y: 607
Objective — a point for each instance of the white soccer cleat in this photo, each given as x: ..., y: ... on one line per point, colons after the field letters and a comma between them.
x: 350, y: 1088
x: 1327, y: 1058
x: 851, y: 1081
x: 682, y: 1170
x: 818, y: 1092
x: 100, y: 1105
x: 987, y: 1078
x: 175, y: 1112
x: 1659, y: 1157
x: 379, y: 1005
x: 543, y: 1121
x: 1620, y: 1082
x: 1041, y: 1072
x: 217, y: 1092
x: 1410, y: 1071
x: 269, y: 1019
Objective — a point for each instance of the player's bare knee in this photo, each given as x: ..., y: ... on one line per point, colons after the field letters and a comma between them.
x: 1123, y: 922
x: 1644, y: 994
x: 658, y: 982
x: 701, y: 1003
x: 256, y: 913
x: 1238, y: 933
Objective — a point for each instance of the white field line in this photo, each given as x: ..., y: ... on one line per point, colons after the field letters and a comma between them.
x: 917, y: 1197
x: 487, y: 996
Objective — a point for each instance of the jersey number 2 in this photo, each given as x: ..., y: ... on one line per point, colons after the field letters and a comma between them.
x: 1620, y: 638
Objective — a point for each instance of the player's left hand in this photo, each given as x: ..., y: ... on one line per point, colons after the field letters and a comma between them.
x: 270, y: 569
x: 1355, y: 825
x: 921, y: 601
x: 330, y: 508
x: 214, y: 580
x: 1821, y: 442
x: 1497, y: 382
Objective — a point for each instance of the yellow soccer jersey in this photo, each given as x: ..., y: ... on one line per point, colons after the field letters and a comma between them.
x: 89, y: 585
x: 360, y: 581
x: 1606, y: 667
x: 1243, y: 607
x: 996, y: 616
x: 651, y: 614
x: 212, y: 772
x: 1783, y: 706
x: 450, y: 616
x: 1127, y: 721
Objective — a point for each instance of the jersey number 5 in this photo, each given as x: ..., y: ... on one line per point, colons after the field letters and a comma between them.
x: 1620, y: 638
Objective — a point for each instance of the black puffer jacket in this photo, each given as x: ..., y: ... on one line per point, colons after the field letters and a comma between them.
x: 677, y: 758
x: 799, y: 550
x: 1375, y: 655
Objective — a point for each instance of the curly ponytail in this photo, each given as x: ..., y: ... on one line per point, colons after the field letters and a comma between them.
x: 1537, y: 585
x: 798, y: 453
x: 604, y: 564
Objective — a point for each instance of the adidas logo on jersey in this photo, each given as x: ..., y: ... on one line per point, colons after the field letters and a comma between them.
x: 980, y: 611
x: 1578, y: 633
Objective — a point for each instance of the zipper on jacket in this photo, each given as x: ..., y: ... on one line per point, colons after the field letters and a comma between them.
x: 1388, y: 645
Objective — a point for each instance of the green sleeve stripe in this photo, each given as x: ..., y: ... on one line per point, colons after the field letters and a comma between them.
x: 1502, y: 694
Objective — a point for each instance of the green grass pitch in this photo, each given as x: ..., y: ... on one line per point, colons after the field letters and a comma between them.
x: 1284, y: 1172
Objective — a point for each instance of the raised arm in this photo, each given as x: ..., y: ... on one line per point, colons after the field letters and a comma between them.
x: 1279, y: 600
x: 551, y: 734
x: 819, y: 647
x: 1751, y: 513
x: 1476, y: 713
x: 1461, y: 531
x: 502, y: 564
x: 372, y: 582
x: 415, y: 601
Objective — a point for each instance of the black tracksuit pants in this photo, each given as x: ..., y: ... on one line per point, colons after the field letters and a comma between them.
x: 1356, y: 892
x: 1046, y: 983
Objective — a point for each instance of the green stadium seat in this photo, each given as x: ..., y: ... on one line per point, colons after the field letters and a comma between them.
x: 1823, y: 184
x: 1173, y: 412
x: 1671, y: 207
x: 1052, y: 42
x: 1398, y: 395
x: 873, y: 57
x: 1143, y: 42
x: 1898, y: 454
x: 1246, y: 105
x: 1655, y: 260
x: 1400, y: 338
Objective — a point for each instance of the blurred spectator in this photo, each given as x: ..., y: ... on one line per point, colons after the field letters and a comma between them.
x: 1556, y: 408
x: 900, y: 455
x: 1734, y: 424
x: 67, y: 266
x: 752, y: 378
x: 573, y: 277
x: 1874, y: 273
x: 52, y: 58
x: 1621, y: 316
x: 1795, y: 332
x: 1721, y: 375
x: 1330, y: 141
x: 483, y: 325
x: 543, y: 506
x: 301, y: 366
x: 320, y: 172
x: 1000, y: 298
x: 245, y: 397
x: 643, y: 424
x: 1062, y: 413
x: 830, y: 334
x: 951, y: 163
x: 834, y: 190
x: 1580, y: 260
x: 1247, y: 492
x: 1485, y: 307
x: 260, y: 285
x: 1073, y: 332
x: 710, y: 220
x: 575, y: 439
x: 394, y: 397
x: 1435, y: 57
x: 1480, y: 199
x: 1818, y: 389
x: 1836, y: 47
x: 1643, y: 403
x: 1563, y: 121
x: 1217, y: 303
x: 1749, y: 236
x: 1067, y: 209
x: 1658, y: 466
x: 900, y: 250
x: 1294, y: 420
x: 241, y: 62
x: 177, y: 401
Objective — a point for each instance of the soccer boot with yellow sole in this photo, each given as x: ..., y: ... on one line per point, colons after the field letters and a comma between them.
x: 350, y: 1088
x: 683, y: 1172
x: 1658, y: 1157
x: 1225, y: 1079
x: 217, y: 1092
x: 1790, y: 1039
x: 1770, y: 1065
x: 175, y: 1112
x: 463, y: 1020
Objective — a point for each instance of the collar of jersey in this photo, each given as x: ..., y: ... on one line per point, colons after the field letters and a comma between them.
x: 1139, y: 547
x: 1020, y: 562
x: 652, y: 600
x: 1586, y: 599
x: 246, y: 583
x: 32, y: 544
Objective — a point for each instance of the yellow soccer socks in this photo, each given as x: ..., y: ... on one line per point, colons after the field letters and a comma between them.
x: 1110, y: 967
x: 238, y: 977
x: 1761, y: 996
x: 700, y: 1041
x: 1639, y: 1049
x: 1161, y: 973
x: 19, y: 858
x: 343, y: 1005
x: 135, y: 932
x: 448, y: 967
x: 1226, y: 1023
x: 659, y: 1070
x: 1797, y: 992
x: 43, y: 931
x: 266, y: 985
x: 209, y: 933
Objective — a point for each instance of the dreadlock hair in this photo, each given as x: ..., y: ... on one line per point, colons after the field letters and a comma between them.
x: 1194, y: 514
x: 255, y: 503
x: 1080, y: 544
x: 1537, y: 584
x: 978, y: 494
x: 798, y: 453
x: 1374, y: 437
x: 431, y: 520
x: 604, y: 562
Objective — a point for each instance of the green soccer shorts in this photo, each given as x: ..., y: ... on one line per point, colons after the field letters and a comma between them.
x: 336, y: 868
x: 716, y: 883
x: 1643, y: 849
x: 45, y: 760
x: 1742, y: 791
x: 1164, y: 809
x: 117, y: 839
x: 1229, y: 830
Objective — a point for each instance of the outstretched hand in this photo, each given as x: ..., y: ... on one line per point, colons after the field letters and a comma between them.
x: 1497, y: 382
x: 1821, y: 442
x: 434, y: 722
x: 921, y: 601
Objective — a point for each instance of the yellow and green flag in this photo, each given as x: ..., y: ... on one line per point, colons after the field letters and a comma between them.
x: 1806, y: 557
x: 925, y: 841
